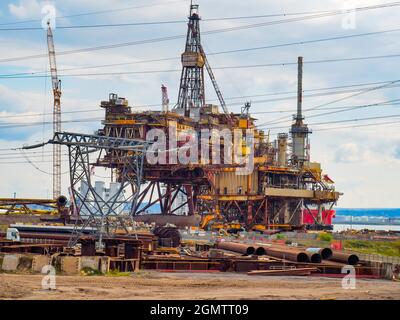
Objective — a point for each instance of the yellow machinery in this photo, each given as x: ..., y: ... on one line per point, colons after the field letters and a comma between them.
x: 262, y: 228
x: 211, y: 222
x: 27, y: 206
x: 24, y: 206
x: 23, y: 210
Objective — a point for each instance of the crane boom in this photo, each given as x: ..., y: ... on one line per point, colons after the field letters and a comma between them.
x: 56, y: 84
x: 215, y: 84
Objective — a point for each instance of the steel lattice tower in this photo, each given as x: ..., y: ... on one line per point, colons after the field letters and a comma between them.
x: 191, y: 89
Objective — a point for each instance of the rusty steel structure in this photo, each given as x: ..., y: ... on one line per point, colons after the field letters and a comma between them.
x: 283, y: 185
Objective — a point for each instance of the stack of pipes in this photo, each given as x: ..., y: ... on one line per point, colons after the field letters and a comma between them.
x: 312, y: 255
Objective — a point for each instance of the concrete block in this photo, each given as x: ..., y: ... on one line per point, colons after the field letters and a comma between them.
x: 10, y: 262
x: 104, y: 264
x: 39, y: 261
x: 71, y: 265
x: 90, y: 262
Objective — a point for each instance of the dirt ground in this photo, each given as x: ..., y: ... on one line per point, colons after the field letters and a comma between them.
x: 164, y: 286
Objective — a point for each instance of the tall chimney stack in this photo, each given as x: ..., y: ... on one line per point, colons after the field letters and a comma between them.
x: 299, y: 88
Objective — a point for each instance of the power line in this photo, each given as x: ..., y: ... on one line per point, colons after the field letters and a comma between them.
x: 320, y: 89
x: 259, y: 126
x: 36, y: 167
x: 308, y: 41
x: 318, y: 129
x: 320, y: 14
x: 315, y: 15
x: 329, y: 93
x: 28, y: 153
x: 103, y: 47
x: 282, y: 64
x: 14, y: 156
x: 154, y: 40
x: 240, y: 97
x: 386, y: 103
x: 340, y: 109
x: 20, y: 162
x: 358, y: 126
x: 163, y: 22
x: 29, y: 124
x: 338, y: 121
x: 352, y: 96
x: 284, y: 119
x: 96, y: 12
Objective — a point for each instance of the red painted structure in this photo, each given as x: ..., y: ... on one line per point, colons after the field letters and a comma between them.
x: 310, y: 217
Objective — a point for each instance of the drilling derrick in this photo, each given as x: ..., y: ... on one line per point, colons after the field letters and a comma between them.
x: 191, y: 90
x: 56, y: 84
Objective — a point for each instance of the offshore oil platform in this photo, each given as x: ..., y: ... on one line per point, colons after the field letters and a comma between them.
x: 232, y: 177
x: 192, y: 187
x: 285, y: 189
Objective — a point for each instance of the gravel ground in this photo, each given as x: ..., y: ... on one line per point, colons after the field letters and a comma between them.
x: 158, y: 285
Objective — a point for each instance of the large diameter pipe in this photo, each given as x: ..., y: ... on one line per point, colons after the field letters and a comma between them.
x: 325, y: 253
x: 236, y: 247
x: 348, y: 258
x: 291, y: 255
x: 260, y: 251
x: 314, y: 257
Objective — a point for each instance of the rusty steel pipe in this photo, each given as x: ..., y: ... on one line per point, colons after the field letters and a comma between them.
x: 325, y: 253
x: 314, y: 257
x: 287, y: 254
x: 236, y: 247
x: 314, y: 254
x: 260, y: 251
x: 348, y: 258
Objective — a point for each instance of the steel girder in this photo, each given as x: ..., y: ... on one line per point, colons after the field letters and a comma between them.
x: 164, y: 194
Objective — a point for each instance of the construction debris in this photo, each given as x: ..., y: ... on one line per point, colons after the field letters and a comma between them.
x: 284, y: 272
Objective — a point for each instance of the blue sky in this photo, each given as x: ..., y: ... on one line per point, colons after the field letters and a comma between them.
x: 363, y: 161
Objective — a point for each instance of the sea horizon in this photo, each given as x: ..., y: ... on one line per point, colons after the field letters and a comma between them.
x: 369, y: 212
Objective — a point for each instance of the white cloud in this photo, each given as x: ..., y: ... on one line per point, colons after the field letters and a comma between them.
x: 349, y: 153
x: 25, y: 9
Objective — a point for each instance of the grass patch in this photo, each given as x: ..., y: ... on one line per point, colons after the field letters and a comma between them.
x: 323, y: 236
x: 386, y: 248
x: 116, y: 273
x: 90, y: 272
x: 280, y: 236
